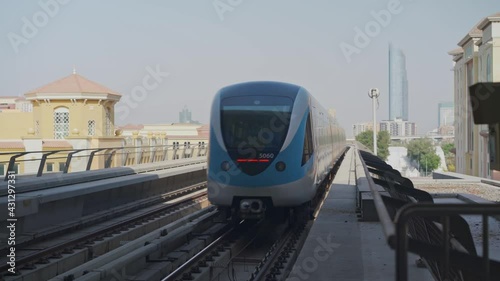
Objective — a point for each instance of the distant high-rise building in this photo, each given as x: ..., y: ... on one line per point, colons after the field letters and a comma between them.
x: 185, y: 115
x: 399, y: 128
x: 398, y: 85
x: 446, y: 114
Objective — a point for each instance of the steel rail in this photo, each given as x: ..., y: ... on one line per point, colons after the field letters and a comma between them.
x: 185, y: 266
x: 32, y: 258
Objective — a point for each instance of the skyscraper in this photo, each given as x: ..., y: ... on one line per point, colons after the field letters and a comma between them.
x: 446, y: 111
x: 185, y: 115
x: 398, y: 85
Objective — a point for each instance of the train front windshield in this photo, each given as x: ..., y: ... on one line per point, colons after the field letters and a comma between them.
x: 258, y: 122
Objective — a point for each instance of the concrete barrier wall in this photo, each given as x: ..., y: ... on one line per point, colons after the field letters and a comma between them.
x: 62, y: 205
x: 451, y: 175
x: 443, y: 176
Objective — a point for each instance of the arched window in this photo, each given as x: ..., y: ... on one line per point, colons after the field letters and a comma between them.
x: 91, y: 127
x: 107, y: 120
x: 489, y: 70
x: 61, y: 122
x: 37, y: 128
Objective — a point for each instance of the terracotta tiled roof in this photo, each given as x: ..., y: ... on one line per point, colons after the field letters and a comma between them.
x: 475, y: 32
x: 9, y: 97
x: 175, y: 137
x: 73, y: 83
x: 131, y: 127
x: 18, y: 145
x: 204, y: 127
x: 491, y: 18
x: 56, y: 144
x: 456, y: 51
x: 204, y: 131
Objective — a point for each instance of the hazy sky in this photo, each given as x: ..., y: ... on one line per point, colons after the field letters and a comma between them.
x: 203, y: 49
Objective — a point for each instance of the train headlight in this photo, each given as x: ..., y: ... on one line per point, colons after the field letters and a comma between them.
x: 280, y: 166
x: 225, y: 166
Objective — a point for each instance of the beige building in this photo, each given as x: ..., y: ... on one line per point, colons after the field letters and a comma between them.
x: 399, y: 128
x: 477, y: 60
x: 15, y: 103
x: 182, y: 139
x: 359, y: 128
x: 70, y: 113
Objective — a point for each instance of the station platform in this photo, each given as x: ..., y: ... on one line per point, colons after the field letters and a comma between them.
x: 341, y: 247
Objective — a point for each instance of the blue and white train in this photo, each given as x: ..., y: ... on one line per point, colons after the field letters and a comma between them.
x: 271, y: 145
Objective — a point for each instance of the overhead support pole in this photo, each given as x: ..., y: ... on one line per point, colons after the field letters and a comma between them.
x: 374, y: 94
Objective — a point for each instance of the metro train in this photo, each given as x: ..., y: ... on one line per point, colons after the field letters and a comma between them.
x: 271, y: 146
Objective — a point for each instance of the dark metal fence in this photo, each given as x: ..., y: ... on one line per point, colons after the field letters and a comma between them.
x: 110, y: 156
x: 412, y: 222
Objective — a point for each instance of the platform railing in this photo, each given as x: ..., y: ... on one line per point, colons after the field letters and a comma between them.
x: 383, y: 214
x: 436, y: 232
x: 109, y: 156
x: 442, y: 250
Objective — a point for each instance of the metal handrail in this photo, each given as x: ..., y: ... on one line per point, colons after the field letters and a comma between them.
x: 70, y: 154
x: 87, y: 149
x: 384, y: 217
x: 396, y: 233
x: 445, y: 211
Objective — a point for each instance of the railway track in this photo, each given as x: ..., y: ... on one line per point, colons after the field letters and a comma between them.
x: 39, y: 253
x: 199, y: 246
x: 90, y: 220
x: 155, y: 254
x: 250, y: 251
x: 262, y: 251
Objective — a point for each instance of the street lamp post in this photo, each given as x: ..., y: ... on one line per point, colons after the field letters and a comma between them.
x: 374, y: 94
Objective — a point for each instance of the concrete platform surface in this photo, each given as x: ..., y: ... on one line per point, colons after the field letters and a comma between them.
x: 340, y: 247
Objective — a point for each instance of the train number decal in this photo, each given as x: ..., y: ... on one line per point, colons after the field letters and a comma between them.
x: 266, y: 155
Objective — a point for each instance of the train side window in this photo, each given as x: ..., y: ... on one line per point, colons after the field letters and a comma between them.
x: 308, y: 142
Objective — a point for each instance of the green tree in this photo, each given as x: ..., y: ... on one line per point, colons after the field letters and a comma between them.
x: 447, y: 147
x: 449, y: 154
x: 366, y: 138
x: 383, y: 140
x: 423, y: 151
